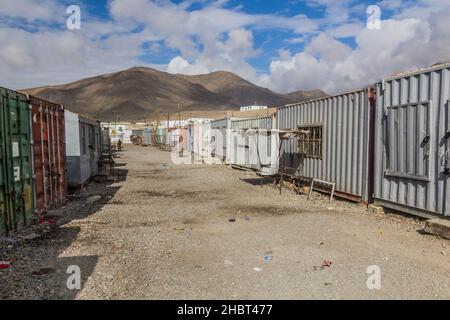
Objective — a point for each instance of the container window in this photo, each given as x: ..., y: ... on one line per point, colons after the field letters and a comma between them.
x: 310, y: 141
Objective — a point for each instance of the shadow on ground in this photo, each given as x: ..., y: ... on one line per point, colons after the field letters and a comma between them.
x: 37, y: 270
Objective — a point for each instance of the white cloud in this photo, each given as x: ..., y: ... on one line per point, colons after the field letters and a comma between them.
x: 215, y: 38
x: 330, y: 65
x: 32, y: 10
x: 221, y: 55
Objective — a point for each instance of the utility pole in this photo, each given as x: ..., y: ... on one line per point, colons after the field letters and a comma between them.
x: 179, y: 116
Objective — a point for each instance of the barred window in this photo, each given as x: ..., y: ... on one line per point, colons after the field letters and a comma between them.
x: 310, y: 141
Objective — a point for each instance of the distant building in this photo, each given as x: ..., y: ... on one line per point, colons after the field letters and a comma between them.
x: 250, y: 108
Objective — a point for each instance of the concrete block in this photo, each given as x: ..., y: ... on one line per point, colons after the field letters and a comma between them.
x: 375, y: 209
x: 438, y: 227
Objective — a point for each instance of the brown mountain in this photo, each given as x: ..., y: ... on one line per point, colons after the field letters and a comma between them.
x: 140, y: 93
x: 299, y: 96
x: 241, y: 92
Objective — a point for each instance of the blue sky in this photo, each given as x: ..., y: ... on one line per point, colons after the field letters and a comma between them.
x: 283, y: 45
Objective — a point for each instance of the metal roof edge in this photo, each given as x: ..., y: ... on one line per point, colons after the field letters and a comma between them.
x: 328, y: 97
x: 415, y: 72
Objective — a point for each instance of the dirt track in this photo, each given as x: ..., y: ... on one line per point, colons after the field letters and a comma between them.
x: 163, y: 232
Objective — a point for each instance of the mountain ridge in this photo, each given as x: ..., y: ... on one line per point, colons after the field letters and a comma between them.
x: 141, y: 93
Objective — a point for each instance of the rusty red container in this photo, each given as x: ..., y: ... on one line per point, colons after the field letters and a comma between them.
x: 49, y: 154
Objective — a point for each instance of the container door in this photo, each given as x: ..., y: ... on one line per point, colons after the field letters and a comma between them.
x: 40, y: 149
x: 17, y: 161
x: 3, y: 174
x: 409, y: 141
x: 445, y: 162
x: 91, y: 137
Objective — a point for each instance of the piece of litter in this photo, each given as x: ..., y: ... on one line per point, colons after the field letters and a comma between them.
x: 5, y: 265
x: 43, y: 271
x: 327, y: 263
x: 257, y: 269
x: 268, y: 258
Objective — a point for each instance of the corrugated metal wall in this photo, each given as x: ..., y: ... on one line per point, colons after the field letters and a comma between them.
x: 49, y: 154
x: 161, y: 136
x: 346, y: 121
x: 82, y: 148
x: 146, y: 139
x: 255, y: 149
x: 16, y: 161
x: 411, y: 150
x: 221, y: 132
x: 90, y: 148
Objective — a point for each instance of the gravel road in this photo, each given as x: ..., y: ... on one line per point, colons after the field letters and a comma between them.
x: 162, y: 231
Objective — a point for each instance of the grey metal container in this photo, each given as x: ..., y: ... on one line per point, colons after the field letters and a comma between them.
x: 220, y: 131
x: 104, y: 140
x: 411, y: 149
x: 345, y: 123
x: 146, y: 139
x: 251, y: 150
x: 82, y: 148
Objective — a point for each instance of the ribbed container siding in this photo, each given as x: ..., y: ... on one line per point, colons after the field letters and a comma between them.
x: 173, y: 137
x: 346, y: 121
x: 256, y: 149
x: 16, y: 162
x: 203, y: 147
x: 161, y: 136
x: 254, y: 123
x: 190, y: 137
x: 105, y: 142
x: 411, y: 150
x: 221, y: 133
x: 49, y: 154
x: 146, y: 139
x: 83, y: 148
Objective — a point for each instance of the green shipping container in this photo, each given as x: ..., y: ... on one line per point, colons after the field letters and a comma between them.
x: 16, y: 171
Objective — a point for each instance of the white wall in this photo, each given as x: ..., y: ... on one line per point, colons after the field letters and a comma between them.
x: 72, y: 126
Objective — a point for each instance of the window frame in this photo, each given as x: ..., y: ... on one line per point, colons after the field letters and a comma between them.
x: 389, y: 172
x: 311, y: 143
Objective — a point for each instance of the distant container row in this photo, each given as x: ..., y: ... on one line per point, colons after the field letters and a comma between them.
x: 44, y: 151
x: 388, y: 143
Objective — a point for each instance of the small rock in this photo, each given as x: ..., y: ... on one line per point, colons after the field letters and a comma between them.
x: 443, y: 253
x: 43, y: 271
x: 232, y: 220
x: 93, y: 199
x: 31, y: 236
